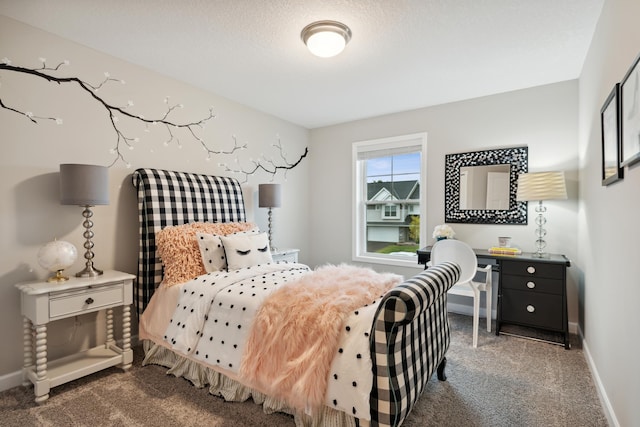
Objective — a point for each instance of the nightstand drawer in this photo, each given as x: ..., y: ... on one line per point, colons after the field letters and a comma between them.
x: 84, y: 301
x: 287, y: 255
x: 533, y: 269
x: 533, y: 284
x: 532, y: 309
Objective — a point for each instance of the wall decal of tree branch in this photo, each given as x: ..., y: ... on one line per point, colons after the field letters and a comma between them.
x: 115, y: 112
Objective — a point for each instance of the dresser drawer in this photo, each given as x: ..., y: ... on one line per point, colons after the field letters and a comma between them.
x: 533, y: 284
x: 533, y: 309
x: 85, y: 300
x: 533, y: 269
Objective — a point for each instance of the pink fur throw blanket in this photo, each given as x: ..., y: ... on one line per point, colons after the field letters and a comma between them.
x: 296, y: 331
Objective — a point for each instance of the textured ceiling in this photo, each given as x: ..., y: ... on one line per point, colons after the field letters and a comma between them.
x: 404, y: 54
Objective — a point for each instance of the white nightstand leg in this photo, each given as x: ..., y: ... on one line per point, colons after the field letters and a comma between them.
x: 109, y: 342
x: 42, y: 385
x: 127, y: 353
x: 27, y: 330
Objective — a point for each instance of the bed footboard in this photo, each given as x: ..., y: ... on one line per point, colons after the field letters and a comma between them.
x: 410, y: 337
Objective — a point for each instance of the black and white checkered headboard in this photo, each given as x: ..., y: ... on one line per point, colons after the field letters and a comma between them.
x: 175, y: 198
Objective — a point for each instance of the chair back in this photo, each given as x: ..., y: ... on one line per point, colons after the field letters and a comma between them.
x: 458, y: 252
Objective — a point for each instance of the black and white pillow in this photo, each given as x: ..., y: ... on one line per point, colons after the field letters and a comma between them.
x: 212, y: 250
x: 246, y: 250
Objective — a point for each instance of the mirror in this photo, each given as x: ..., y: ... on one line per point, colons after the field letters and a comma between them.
x: 484, y: 187
x: 480, y: 186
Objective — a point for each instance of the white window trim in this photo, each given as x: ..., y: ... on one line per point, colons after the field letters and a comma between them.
x: 358, y: 253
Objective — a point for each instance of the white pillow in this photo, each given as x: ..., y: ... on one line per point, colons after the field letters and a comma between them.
x: 246, y: 250
x: 212, y: 250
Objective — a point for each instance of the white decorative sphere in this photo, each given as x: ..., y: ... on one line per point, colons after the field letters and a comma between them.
x: 57, y: 255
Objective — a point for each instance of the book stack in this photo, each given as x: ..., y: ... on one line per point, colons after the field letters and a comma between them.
x: 500, y: 250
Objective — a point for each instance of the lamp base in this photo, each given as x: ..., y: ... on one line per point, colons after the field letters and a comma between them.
x: 58, y: 278
x: 540, y: 255
x: 89, y: 271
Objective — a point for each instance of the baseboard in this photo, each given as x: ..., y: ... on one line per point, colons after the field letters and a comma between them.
x: 14, y: 379
x: 467, y: 310
x: 602, y: 393
x: 10, y: 380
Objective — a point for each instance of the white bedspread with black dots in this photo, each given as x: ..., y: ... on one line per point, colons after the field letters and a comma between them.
x: 213, y: 319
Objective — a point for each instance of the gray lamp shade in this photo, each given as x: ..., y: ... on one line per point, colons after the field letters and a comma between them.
x: 84, y: 185
x: 269, y: 196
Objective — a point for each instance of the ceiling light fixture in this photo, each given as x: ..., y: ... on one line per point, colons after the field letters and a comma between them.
x: 326, y: 38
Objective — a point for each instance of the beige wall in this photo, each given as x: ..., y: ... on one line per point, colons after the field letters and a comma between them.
x: 542, y: 118
x: 30, y: 213
x: 608, y: 223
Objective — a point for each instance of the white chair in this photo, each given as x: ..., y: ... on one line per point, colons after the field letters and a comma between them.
x: 462, y: 254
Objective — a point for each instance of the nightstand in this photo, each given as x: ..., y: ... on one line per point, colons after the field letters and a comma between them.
x: 289, y: 255
x: 533, y: 292
x: 44, y: 302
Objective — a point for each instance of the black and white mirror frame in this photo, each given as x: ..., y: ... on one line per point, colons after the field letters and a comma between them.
x: 516, y: 157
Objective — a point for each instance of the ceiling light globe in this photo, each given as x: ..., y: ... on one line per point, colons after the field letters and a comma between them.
x: 326, y: 44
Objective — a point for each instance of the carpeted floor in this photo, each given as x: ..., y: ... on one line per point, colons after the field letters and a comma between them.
x: 506, y: 381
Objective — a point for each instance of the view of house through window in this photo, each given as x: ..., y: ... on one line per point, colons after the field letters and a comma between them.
x: 388, y: 206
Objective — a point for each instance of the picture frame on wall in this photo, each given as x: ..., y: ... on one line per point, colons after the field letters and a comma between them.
x: 630, y: 115
x: 610, y: 128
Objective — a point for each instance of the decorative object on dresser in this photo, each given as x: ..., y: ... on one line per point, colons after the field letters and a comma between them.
x: 540, y: 186
x: 44, y: 302
x: 443, y: 231
x: 57, y: 256
x: 86, y: 186
x: 269, y: 196
x: 462, y: 254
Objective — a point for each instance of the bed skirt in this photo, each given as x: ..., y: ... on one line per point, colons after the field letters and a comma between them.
x: 233, y: 391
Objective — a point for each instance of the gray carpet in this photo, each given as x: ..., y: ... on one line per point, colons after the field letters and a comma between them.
x: 506, y: 381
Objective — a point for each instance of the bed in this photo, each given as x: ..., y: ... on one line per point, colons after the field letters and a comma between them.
x: 394, y: 342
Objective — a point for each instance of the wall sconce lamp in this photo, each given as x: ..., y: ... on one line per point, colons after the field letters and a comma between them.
x: 326, y: 38
x: 269, y: 196
x: 86, y: 186
x: 541, y: 186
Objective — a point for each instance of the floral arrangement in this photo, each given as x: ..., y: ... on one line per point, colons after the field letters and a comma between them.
x: 443, y: 231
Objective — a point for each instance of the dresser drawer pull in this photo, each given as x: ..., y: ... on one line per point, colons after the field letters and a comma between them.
x: 531, y: 285
x: 531, y: 308
x: 531, y: 269
x: 88, y: 301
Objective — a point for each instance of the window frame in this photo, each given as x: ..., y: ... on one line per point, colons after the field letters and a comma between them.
x: 359, y: 205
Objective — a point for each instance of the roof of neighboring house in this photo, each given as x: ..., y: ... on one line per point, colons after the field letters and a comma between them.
x: 399, y: 190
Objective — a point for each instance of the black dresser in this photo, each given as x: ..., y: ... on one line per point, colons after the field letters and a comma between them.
x: 532, y: 292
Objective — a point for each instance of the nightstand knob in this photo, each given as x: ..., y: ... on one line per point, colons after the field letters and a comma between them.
x: 88, y: 301
x: 531, y: 269
x: 531, y: 308
x: 531, y: 285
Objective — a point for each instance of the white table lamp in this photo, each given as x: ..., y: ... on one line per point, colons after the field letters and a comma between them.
x: 541, y: 186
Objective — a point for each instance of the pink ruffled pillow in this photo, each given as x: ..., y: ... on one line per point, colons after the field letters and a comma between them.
x: 177, y: 247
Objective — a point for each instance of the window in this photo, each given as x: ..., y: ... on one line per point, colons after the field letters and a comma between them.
x: 389, y: 212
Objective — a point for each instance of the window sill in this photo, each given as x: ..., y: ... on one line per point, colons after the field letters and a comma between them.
x: 399, y: 261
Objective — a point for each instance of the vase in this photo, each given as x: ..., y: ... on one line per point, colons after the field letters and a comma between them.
x: 440, y: 238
